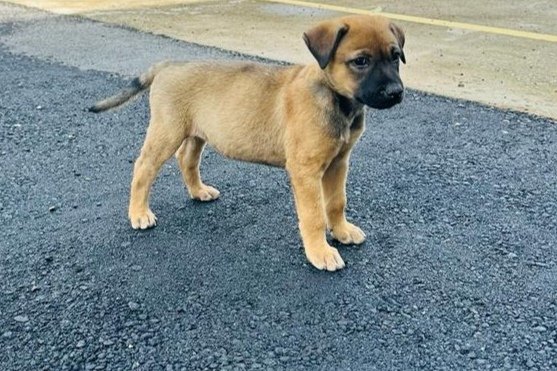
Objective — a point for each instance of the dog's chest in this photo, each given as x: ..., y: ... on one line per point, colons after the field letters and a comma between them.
x: 346, y: 127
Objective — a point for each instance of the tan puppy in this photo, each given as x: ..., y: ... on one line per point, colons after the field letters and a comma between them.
x: 303, y: 118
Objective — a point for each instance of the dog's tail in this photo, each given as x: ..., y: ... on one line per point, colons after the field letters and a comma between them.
x: 137, y: 85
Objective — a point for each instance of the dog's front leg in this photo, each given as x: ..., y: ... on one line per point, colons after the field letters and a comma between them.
x: 334, y: 191
x: 308, y: 195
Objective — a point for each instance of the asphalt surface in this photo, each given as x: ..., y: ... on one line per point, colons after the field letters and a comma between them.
x: 458, y: 201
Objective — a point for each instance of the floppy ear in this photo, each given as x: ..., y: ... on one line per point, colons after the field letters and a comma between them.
x: 323, y: 40
x: 399, y: 34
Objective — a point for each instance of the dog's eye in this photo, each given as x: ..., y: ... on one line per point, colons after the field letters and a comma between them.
x: 396, y: 56
x: 361, y: 62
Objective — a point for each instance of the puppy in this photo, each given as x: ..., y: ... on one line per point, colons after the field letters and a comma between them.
x: 305, y: 119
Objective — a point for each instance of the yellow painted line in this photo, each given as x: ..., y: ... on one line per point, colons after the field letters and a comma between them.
x: 422, y: 20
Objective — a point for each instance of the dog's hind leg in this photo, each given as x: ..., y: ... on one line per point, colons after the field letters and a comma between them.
x: 161, y: 142
x: 189, y: 157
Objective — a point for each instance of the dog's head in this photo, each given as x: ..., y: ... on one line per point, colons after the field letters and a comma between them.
x: 360, y: 56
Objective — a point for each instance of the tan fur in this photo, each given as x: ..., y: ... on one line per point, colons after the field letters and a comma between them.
x: 281, y: 116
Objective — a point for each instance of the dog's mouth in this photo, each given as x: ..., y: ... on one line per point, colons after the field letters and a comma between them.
x: 381, y: 102
x: 384, y: 104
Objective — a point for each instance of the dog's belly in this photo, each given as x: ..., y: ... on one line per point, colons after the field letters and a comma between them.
x: 271, y: 158
x: 243, y: 142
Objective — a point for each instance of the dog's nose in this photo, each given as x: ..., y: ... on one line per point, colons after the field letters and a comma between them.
x: 394, y: 91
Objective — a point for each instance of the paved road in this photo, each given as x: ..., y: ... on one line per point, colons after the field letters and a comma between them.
x: 458, y: 201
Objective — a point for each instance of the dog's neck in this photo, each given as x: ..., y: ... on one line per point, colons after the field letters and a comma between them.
x: 343, y: 111
x: 348, y: 107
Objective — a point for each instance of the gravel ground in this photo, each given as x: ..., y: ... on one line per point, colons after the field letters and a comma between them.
x: 458, y: 200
